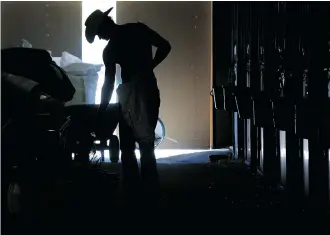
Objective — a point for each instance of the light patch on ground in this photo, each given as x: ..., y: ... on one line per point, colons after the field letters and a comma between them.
x: 160, y: 153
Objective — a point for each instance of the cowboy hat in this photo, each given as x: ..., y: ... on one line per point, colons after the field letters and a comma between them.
x: 93, y: 23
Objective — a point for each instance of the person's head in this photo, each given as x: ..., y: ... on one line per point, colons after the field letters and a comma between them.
x: 100, y: 24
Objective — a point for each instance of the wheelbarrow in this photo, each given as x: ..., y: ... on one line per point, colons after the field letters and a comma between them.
x: 89, y: 130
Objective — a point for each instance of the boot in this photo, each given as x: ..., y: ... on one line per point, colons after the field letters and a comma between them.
x: 130, y: 177
x: 149, y: 175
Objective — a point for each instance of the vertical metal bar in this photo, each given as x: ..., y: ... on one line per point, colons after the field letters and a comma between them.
x: 329, y: 175
x: 248, y: 141
x: 235, y: 124
x: 283, y: 157
x: 262, y: 149
x: 255, y: 80
x: 261, y: 65
x: 271, y: 160
x: 305, y: 149
x: 241, y: 77
x: 212, y: 119
x: 249, y: 129
x: 318, y: 162
x: 234, y: 76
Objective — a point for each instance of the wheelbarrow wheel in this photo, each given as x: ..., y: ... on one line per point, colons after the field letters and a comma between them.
x: 21, y: 193
x: 12, y: 195
x: 114, y: 149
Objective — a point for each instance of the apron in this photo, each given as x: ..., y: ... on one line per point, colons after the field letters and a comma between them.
x: 139, y: 101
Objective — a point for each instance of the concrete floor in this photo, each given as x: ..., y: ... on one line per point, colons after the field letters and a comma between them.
x: 190, y: 184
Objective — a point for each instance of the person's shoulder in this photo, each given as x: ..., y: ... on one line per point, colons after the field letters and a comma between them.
x: 142, y: 25
x: 135, y: 25
x: 136, y: 28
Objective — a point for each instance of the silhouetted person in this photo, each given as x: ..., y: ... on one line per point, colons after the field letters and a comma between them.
x: 130, y: 46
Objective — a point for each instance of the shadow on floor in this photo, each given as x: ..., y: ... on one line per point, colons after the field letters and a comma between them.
x: 190, y: 185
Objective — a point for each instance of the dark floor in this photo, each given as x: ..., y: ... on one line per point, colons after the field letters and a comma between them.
x: 195, y: 188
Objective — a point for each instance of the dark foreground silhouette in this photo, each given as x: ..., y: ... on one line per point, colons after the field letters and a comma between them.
x: 130, y: 46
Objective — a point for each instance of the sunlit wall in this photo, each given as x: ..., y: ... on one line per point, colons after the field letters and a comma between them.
x: 184, y: 77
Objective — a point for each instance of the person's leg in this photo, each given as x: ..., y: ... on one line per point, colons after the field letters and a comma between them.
x: 141, y: 111
x: 148, y: 158
x: 127, y: 146
x: 130, y: 169
x: 149, y: 173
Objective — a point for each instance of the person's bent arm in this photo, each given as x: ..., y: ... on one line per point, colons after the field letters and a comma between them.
x: 162, y: 45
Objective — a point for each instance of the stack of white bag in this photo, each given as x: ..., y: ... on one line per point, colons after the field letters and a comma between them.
x: 83, y: 76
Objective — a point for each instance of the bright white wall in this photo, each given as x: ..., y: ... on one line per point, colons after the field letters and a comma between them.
x: 92, y: 53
